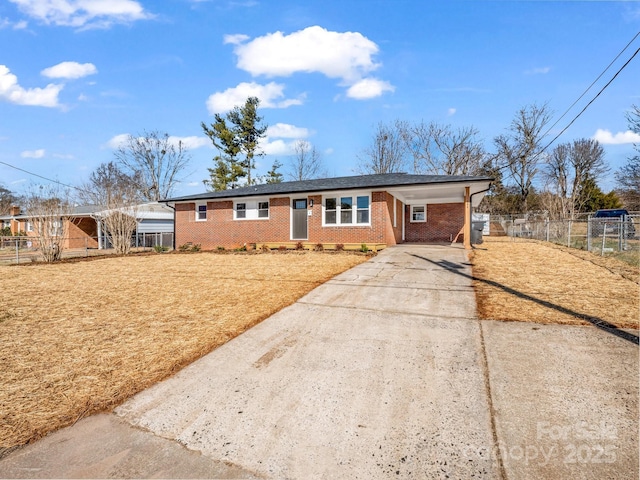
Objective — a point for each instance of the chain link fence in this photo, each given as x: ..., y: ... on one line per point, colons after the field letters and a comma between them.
x: 598, y: 235
x: 26, y: 249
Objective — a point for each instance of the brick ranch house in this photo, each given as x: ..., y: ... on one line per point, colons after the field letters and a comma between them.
x: 377, y: 210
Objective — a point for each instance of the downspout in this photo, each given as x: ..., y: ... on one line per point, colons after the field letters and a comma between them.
x: 471, y: 201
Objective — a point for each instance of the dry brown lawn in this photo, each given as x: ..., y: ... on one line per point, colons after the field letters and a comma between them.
x: 78, y: 338
x: 531, y: 281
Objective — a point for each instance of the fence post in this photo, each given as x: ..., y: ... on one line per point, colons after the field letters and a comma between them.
x: 589, y: 234
x: 620, y: 233
x: 604, y: 236
x: 547, y: 229
x: 17, y: 251
x: 569, y: 234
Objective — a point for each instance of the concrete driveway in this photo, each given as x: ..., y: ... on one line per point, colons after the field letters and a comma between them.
x: 382, y: 372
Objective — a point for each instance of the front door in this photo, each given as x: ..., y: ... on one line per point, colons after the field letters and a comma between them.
x: 299, y: 219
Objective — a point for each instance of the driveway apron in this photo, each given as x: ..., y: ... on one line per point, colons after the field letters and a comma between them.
x: 375, y: 373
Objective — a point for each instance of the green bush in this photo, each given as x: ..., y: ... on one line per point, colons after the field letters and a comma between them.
x: 364, y: 248
x: 160, y: 248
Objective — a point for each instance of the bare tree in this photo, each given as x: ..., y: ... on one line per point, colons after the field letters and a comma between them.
x: 117, y: 193
x: 628, y: 176
x: 520, y: 150
x: 154, y: 161
x: 387, y: 152
x: 557, y: 179
x: 306, y: 163
x: 568, y: 168
x: 49, y: 210
x: 7, y: 200
x: 440, y: 150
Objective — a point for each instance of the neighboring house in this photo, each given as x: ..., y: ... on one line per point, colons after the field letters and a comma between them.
x: 85, y: 228
x: 379, y: 210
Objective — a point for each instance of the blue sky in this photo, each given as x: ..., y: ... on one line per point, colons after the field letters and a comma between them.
x: 77, y: 75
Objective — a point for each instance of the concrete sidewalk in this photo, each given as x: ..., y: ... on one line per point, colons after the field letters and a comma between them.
x: 382, y: 372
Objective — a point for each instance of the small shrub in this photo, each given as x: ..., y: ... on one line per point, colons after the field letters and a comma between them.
x: 265, y: 248
x: 160, y: 248
x: 243, y: 248
x: 318, y: 247
x: 197, y: 247
x: 364, y: 248
x: 299, y: 246
x: 185, y: 247
x: 282, y: 248
x: 221, y: 248
x: 339, y: 247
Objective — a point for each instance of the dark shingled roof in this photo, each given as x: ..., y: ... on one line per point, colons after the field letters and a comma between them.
x: 385, y: 180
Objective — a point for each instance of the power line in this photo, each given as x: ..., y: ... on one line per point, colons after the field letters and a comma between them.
x: 592, y: 84
x: 588, y: 104
x: 40, y: 176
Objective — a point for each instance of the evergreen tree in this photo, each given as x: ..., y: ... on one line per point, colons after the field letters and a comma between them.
x: 237, y: 137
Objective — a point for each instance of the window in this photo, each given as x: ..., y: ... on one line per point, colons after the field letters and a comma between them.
x: 418, y: 213
x: 263, y: 209
x: 257, y: 209
x: 347, y: 210
x: 201, y: 213
x: 29, y: 227
x: 330, y: 211
x: 362, y: 215
x: 241, y: 210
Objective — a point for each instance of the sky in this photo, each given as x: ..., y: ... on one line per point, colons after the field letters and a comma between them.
x: 78, y: 76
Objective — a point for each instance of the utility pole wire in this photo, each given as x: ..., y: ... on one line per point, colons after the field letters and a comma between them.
x: 40, y: 176
x: 592, y: 84
x: 588, y: 104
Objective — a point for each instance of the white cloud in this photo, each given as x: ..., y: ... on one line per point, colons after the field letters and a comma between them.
x: 284, y: 130
x: 70, y: 70
x: 83, y: 13
x: 607, y: 138
x: 33, y: 153
x: 189, y: 143
x: 348, y: 55
x: 63, y: 156
x: 118, y: 140
x: 236, y: 39
x: 194, y: 184
x: 538, y: 71
x: 270, y: 95
x: 451, y: 112
x: 21, y: 25
x: 11, y: 91
x: 277, y: 147
x: 369, y: 88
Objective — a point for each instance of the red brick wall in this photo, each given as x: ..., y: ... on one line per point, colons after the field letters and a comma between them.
x: 444, y: 221
x: 83, y: 232
x: 220, y: 229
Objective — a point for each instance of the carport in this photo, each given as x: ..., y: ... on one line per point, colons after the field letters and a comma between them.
x: 466, y: 195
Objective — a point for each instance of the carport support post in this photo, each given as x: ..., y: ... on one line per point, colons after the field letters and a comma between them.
x: 467, y: 219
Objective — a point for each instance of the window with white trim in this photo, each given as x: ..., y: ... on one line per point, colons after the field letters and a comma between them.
x: 201, y: 213
x: 29, y: 227
x: 362, y: 209
x: 263, y: 209
x: 251, y: 210
x: 347, y: 210
x: 418, y: 213
x: 241, y: 210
